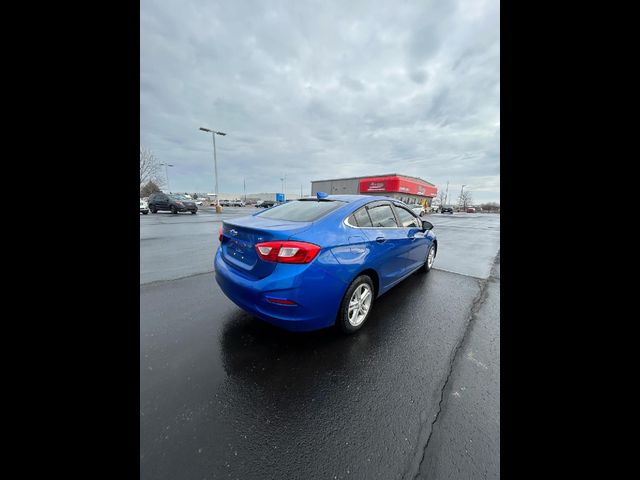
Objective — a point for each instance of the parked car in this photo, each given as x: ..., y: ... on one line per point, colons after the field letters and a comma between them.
x: 266, y: 204
x: 144, y: 206
x: 418, y: 210
x: 237, y: 203
x: 171, y: 202
x: 317, y: 262
x: 198, y: 202
x: 446, y: 210
x: 471, y: 210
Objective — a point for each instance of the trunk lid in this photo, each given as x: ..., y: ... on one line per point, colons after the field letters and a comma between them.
x: 241, y: 236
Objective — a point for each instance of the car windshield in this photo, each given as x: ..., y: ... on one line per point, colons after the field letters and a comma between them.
x: 302, y: 210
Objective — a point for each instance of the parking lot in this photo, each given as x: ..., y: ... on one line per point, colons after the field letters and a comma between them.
x: 414, y: 394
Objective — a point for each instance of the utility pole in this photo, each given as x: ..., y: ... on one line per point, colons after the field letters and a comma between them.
x: 446, y: 197
x: 244, y: 181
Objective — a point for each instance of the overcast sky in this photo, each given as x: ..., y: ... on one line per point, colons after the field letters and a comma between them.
x: 325, y: 89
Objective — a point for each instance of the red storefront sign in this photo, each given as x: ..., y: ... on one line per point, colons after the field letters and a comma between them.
x: 397, y: 184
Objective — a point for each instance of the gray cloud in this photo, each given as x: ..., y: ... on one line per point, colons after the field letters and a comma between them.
x: 322, y: 89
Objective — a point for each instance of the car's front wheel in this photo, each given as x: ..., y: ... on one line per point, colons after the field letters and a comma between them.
x: 356, y: 304
x: 174, y: 210
x: 193, y: 212
x: 152, y: 208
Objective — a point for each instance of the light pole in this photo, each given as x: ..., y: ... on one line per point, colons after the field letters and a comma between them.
x: 166, y: 173
x: 215, y: 163
x: 284, y: 186
x: 462, y: 198
x: 446, y: 197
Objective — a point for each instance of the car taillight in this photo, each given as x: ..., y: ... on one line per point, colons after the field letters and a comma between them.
x: 287, y: 251
x: 220, y: 233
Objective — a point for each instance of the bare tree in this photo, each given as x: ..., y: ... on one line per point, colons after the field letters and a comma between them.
x: 490, y: 207
x: 442, y: 195
x: 149, y: 167
x: 149, y: 188
x: 465, y: 199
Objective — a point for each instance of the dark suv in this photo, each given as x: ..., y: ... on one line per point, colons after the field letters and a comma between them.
x: 446, y: 210
x: 171, y: 202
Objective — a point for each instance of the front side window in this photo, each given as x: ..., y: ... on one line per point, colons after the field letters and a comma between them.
x: 382, y: 216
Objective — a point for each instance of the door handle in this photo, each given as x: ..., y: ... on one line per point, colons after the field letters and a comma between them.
x: 380, y: 239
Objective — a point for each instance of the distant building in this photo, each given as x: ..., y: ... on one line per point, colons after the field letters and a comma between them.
x: 403, y: 187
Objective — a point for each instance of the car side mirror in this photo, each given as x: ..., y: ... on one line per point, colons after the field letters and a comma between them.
x: 426, y: 226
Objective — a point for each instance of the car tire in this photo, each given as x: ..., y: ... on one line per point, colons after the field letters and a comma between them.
x: 153, y: 209
x: 428, y: 263
x: 174, y: 210
x: 144, y: 213
x: 193, y: 213
x: 354, y: 322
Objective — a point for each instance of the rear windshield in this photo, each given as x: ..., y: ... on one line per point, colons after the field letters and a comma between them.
x: 301, y: 210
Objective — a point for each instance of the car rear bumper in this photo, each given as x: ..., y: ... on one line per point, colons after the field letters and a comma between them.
x: 316, y: 295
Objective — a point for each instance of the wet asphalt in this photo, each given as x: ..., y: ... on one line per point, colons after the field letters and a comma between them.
x: 414, y: 394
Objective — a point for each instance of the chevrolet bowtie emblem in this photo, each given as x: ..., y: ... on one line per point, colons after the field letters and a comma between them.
x: 233, y: 232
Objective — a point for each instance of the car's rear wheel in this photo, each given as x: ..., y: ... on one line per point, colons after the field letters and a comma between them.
x: 431, y: 256
x: 356, y: 305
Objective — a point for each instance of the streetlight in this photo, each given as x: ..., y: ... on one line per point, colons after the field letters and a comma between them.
x: 215, y: 163
x: 166, y: 173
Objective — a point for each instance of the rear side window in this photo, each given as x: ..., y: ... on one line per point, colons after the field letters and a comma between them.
x: 362, y: 218
x: 406, y: 218
x: 382, y: 216
x: 302, y: 210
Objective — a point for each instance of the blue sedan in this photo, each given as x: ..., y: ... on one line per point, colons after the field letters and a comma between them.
x: 317, y: 262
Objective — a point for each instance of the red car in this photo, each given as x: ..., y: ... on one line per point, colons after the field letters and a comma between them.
x: 471, y: 210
